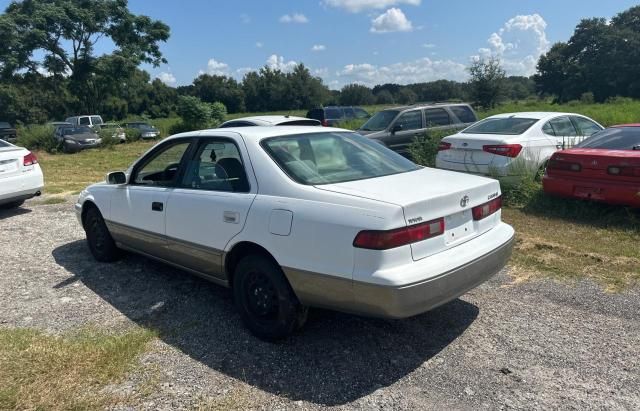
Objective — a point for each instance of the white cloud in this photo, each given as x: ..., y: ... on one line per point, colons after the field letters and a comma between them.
x: 167, y: 78
x: 276, y: 62
x: 216, y: 68
x: 320, y: 72
x: 390, y: 21
x: 239, y: 73
x: 518, y: 44
x: 294, y: 18
x: 356, y: 6
x: 318, y: 47
x: 259, y: 44
x: 429, y: 46
x: 416, y: 71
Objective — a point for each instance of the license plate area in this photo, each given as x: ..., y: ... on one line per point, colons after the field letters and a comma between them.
x: 8, y: 166
x: 589, y: 192
x: 458, y: 227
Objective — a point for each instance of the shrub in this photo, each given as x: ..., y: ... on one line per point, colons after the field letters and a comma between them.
x: 423, y: 150
x: 218, y: 113
x: 352, y: 124
x: 37, y: 137
x: 108, y: 140
x: 133, y: 134
x: 180, y: 127
x: 197, y: 114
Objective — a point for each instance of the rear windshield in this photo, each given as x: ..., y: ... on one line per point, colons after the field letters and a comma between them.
x: 380, y: 121
x: 504, y: 126
x: 96, y: 120
x: 464, y: 113
x: 615, y: 138
x: 328, y: 158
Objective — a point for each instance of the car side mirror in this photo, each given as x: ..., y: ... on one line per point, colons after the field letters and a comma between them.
x: 117, y: 177
x: 396, y: 128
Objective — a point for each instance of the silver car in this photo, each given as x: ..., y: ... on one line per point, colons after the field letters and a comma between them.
x: 398, y: 127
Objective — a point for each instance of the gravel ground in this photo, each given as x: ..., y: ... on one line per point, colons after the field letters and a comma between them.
x: 535, y: 345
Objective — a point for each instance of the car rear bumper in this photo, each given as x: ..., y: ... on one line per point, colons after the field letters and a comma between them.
x: 481, y: 170
x: 21, y: 187
x: 406, y: 300
x: 605, y: 191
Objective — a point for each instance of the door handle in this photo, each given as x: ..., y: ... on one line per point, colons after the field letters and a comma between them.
x: 157, y: 206
x: 231, y: 217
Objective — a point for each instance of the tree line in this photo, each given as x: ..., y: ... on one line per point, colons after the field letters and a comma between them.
x: 49, y: 69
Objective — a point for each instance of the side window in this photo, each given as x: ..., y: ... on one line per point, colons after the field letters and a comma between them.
x: 411, y: 120
x: 547, y: 129
x: 216, y: 166
x: 464, y: 114
x: 562, y: 126
x: 161, y: 168
x: 349, y: 112
x: 83, y: 121
x: 437, y: 117
x: 585, y: 127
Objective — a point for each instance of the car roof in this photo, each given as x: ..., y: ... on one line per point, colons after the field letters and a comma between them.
x: 258, y: 133
x: 536, y: 115
x: 274, y: 119
x: 426, y: 105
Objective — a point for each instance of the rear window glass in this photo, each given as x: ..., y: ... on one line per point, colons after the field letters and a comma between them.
x: 437, y: 117
x: 464, y: 113
x: 96, y: 120
x: 503, y: 125
x: 616, y: 138
x: 333, y: 113
x: 327, y: 158
x: 300, y: 123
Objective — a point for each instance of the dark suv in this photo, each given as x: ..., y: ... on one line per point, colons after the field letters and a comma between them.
x: 332, y: 115
x: 397, y: 127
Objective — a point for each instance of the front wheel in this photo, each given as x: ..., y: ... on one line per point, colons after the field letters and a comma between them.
x: 100, y: 242
x: 265, y: 300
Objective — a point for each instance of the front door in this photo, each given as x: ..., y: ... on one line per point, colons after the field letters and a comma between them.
x: 407, y: 127
x: 210, y: 204
x: 137, y: 212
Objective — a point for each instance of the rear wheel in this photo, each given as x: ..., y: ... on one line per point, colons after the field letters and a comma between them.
x: 265, y: 300
x: 100, y: 242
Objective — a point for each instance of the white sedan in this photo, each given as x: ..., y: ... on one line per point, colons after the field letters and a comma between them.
x: 269, y: 121
x: 513, y: 143
x: 300, y: 216
x: 20, y: 175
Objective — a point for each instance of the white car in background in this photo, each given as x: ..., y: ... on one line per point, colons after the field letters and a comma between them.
x: 292, y: 217
x: 20, y: 175
x: 501, y: 145
x: 267, y: 121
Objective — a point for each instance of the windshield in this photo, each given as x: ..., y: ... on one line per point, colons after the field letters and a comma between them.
x: 504, y: 126
x: 616, y: 138
x: 328, y: 158
x: 77, y: 130
x: 380, y: 121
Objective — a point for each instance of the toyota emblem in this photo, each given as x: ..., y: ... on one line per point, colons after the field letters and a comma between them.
x: 464, y: 201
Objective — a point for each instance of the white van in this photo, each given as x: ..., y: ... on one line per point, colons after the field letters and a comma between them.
x: 91, y: 121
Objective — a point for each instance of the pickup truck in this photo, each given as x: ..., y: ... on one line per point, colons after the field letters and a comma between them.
x: 7, y: 132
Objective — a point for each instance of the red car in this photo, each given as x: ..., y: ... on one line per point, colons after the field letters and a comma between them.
x: 604, y: 167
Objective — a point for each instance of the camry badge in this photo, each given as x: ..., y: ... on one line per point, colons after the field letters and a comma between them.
x: 464, y: 201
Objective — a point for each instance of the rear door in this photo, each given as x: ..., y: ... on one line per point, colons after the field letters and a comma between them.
x: 210, y: 204
x: 563, y: 130
x: 438, y: 120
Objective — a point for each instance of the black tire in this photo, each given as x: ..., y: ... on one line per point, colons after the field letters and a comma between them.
x: 100, y: 242
x: 13, y: 204
x: 265, y: 300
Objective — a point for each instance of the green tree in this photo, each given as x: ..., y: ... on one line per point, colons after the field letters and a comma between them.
x: 59, y: 37
x: 487, y: 82
x: 219, y: 88
x: 384, y: 97
x: 356, y: 95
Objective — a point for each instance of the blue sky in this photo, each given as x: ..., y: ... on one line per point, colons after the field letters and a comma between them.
x: 365, y: 41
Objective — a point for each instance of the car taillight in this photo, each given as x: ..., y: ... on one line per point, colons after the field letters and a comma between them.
x: 384, y: 240
x: 29, y: 160
x: 485, y: 210
x: 507, y: 150
x: 444, y: 146
x: 563, y: 165
x: 624, y: 171
x: 325, y: 123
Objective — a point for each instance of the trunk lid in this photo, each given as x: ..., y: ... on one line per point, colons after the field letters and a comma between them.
x: 595, y: 163
x: 428, y: 194
x: 11, y: 161
x: 466, y: 149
